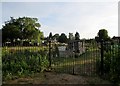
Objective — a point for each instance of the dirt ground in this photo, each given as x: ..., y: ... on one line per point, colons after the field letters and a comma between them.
x: 55, y: 78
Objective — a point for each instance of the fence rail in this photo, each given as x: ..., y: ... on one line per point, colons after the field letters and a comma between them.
x: 97, y: 59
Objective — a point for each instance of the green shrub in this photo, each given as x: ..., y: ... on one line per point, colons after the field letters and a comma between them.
x: 23, y: 62
x: 111, y: 63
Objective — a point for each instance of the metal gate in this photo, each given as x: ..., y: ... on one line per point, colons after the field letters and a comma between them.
x: 76, y: 63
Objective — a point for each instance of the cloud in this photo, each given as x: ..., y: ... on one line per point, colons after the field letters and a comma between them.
x: 85, y: 17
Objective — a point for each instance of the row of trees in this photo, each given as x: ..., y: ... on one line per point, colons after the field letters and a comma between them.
x: 102, y: 35
x: 62, y: 38
x: 27, y: 29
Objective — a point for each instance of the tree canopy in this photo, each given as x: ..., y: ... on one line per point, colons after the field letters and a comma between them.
x: 102, y: 35
x: 63, y: 38
x: 50, y: 35
x: 24, y: 28
x: 77, y: 36
x: 56, y: 36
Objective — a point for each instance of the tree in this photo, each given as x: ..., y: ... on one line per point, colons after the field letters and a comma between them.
x: 50, y: 35
x: 71, y: 37
x: 10, y: 31
x: 63, y: 38
x: 24, y: 28
x: 77, y: 36
x: 56, y: 36
x: 102, y: 35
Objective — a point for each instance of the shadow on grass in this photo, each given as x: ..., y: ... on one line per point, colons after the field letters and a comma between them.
x: 83, y: 65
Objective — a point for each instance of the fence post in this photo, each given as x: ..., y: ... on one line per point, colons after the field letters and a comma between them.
x: 49, y: 53
x: 102, y: 56
x: 73, y: 59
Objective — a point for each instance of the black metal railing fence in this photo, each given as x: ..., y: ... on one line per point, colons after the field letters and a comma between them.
x: 94, y: 58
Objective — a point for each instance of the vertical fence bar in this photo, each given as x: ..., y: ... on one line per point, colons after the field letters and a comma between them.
x: 102, y: 53
x: 73, y: 57
x: 73, y: 65
x: 49, y: 53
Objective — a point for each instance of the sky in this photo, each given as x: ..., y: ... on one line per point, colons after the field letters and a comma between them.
x: 87, y: 18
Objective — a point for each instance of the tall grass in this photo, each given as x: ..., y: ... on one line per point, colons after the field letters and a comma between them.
x: 23, y: 61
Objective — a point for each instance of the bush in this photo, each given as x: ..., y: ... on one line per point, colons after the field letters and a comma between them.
x: 111, y: 63
x: 23, y: 62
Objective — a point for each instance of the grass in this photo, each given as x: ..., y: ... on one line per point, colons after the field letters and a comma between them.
x: 84, y: 64
x: 23, y: 61
x: 31, y: 48
x: 85, y: 58
x: 16, y: 49
x: 81, y: 65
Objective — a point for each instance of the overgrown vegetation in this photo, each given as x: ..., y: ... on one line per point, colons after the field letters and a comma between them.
x: 23, y: 62
x: 111, y: 63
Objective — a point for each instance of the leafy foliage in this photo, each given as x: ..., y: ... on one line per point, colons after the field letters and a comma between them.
x: 102, y: 35
x: 111, y: 63
x: 25, y: 62
x: 56, y: 36
x: 63, y: 38
x: 77, y: 36
x: 22, y: 28
x: 50, y: 35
